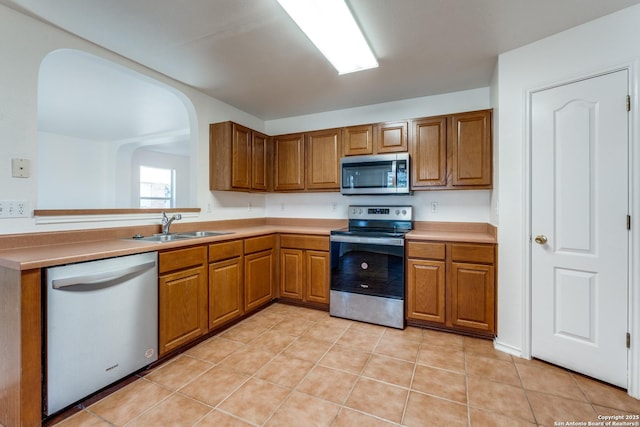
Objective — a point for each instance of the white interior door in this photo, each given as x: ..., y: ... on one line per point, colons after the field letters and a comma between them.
x: 579, y: 207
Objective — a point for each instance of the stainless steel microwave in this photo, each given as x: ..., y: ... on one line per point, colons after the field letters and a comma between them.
x: 376, y: 174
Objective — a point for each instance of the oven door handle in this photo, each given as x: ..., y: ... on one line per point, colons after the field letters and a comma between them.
x: 388, y: 241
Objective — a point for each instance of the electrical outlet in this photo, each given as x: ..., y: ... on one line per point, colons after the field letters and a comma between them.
x: 434, y: 207
x: 14, y: 209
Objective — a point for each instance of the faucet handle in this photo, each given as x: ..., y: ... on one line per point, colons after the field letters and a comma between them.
x: 178, y: 216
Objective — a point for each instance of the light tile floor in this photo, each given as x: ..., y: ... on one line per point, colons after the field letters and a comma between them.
x: 291, y: 366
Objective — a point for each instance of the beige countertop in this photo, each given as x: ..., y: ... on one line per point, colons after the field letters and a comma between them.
x: 111, y: 243
x: 48, y: 255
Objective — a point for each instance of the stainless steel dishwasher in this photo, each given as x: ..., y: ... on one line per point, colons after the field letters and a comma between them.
x: 101, y: 325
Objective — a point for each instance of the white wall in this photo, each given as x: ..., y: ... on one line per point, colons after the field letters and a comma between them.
x: 470, y: 206
x: 66, y: 159
x: 603, y: 44
x: 25, y: 44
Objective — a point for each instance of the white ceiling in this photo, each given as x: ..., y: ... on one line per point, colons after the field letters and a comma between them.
x: 249, y: 54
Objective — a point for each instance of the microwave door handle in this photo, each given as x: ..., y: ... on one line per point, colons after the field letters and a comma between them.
x: 394, y: 178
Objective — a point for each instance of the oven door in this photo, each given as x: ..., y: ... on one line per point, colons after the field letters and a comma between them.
x: 368, y: 266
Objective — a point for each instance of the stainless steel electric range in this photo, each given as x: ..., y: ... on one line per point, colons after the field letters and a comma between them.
x: 367, y: 265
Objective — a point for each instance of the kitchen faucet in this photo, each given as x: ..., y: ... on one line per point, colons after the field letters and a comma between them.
x: 166, y: 222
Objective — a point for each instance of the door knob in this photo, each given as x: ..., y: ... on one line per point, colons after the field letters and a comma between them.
x: 541, y: 239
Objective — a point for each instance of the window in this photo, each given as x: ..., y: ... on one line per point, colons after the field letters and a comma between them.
x: 157, y: 187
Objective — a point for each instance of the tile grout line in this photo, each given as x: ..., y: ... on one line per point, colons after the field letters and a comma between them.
x: 466, y: 382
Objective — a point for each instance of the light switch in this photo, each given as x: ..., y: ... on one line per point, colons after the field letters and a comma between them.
x: 20, y: 168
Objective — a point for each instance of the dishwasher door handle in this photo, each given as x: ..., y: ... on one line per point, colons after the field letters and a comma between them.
x: 102, y: 277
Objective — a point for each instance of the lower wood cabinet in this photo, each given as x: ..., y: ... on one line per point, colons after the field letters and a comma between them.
x: 226, y: 282
x: 426, y: 290
x: 452, y: 286
x: 305, y: 268
x: 259, y: 271
x: 472, y: 296
x: 182, y: 297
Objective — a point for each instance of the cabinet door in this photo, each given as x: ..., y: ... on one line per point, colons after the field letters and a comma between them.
x: 471, y: 149
x: 241, y: 157
x: 225, y: 291
x: 358, y: 140
x: 288, y: 151
x: 291, y: 273
x: 429, y: 152
x: 473, y: 296
x: 390, y: 137
x: 323, y: 159
x: 317, y: 270
x: 259, y: 162
x: 426, y: 290
x: 183, y: 307
x: 258, y: 268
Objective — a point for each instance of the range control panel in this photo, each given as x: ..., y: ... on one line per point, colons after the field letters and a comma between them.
x: 403, y: 213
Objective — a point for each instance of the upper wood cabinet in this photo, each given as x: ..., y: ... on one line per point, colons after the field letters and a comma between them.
x: 358, y: 140
x: 309, y: 161
x: 323, y: 149
x: 390, y: 137
x: 429, y: 152
x: 447, y: 152
x: 260, y: 159
x: 380, y: 138
x: 288, y: 164
x: 452, y: 152
x: 238, y: 158
x: 471, y: 149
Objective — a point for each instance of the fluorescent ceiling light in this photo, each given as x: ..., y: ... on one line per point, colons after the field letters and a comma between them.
x: 331, y: 27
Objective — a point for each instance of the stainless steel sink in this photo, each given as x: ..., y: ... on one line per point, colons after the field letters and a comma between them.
x: 204, y: 233
x: 162, y: 238
x: 179, y: 236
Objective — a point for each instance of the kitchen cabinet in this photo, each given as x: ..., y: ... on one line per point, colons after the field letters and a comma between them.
x: 323, y: 150
x: 452, y: 152
x: 288, y: 162
x: 358, y: 140
x: 429, y: 152
x: 309, y: 161
x: 472, y: 286
x: 226, y: 282
x: 238, y: 158
x: 380, y: 138
x: 182, y: 297
x: 305, y: 269
x: 426, y: 272
x: 470, y: 142
x: 390, y: 137
x: 452, y: 286
x: 259, y: 271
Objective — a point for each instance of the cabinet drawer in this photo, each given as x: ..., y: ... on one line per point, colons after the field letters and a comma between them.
x: 473, y: 253
x: 257, y: 244
x: 426, y: 250
x: 226, y: 250
x: 317, y: 243
x: 182, y: 258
